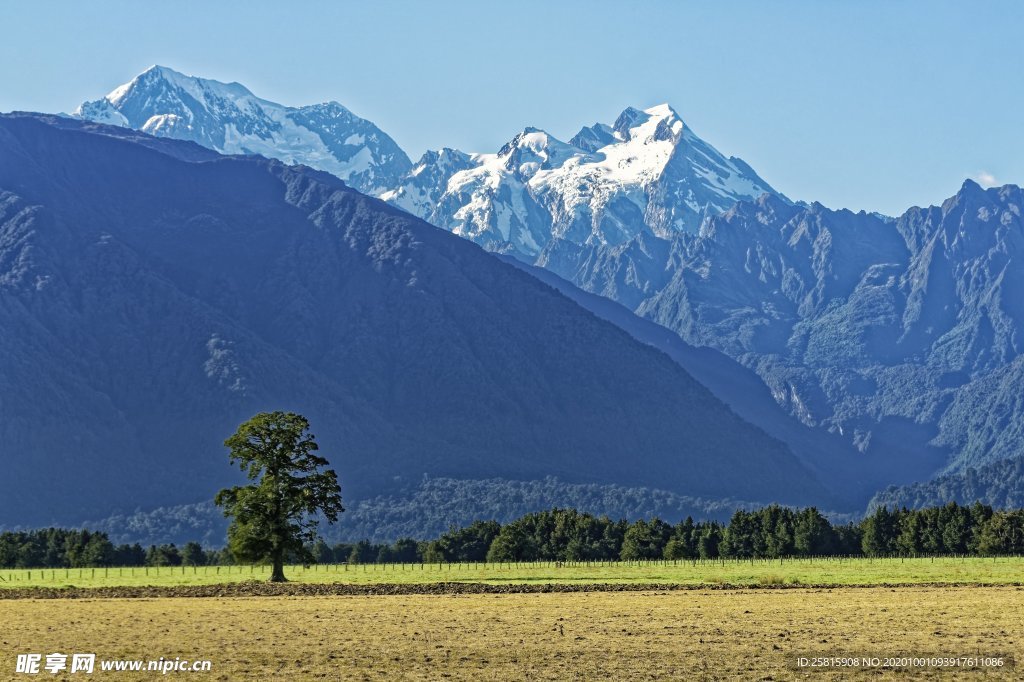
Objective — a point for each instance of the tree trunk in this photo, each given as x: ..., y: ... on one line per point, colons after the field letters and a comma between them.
x: 277, y: 575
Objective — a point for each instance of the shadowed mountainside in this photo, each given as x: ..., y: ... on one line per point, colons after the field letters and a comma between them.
x: 999, y: 484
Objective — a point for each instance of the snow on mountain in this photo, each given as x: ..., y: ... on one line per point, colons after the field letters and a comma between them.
x: 647, y: 172
x: 425, y: 182
x: 230, y: 119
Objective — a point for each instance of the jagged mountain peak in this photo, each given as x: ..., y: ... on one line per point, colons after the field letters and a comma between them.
x: 156, y: 76
x: 663, y: 110
x: 229, y: 118
x: 533, y: 150
x: 767, y: 210
x: 593, y: 137
x: 983, y: 204
x: 969, y: 185
x: 627, y: 120
x: 531, y: 138
x: 660, y: 122
x: 446, y: 156
x: 645, y: 173
x: 330, y: 107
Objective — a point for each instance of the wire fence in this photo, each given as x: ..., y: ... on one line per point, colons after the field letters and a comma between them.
x: 257, y: 571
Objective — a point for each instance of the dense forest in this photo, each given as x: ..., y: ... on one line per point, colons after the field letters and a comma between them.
x: 569, y: 535
x: 428, y: 509
x: 999, y: 483
x: 60, y: 548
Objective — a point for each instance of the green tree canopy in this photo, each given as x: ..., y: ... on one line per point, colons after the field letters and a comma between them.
x: 192, y: 554
x: 645, y: 540
x: 277, y: 515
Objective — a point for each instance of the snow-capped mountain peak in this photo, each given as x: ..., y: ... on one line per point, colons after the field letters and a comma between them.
x: 229, y: 118
x: 203, y: 90
x: 647, y: 172
x: 533, y: 150
x: 593, y: 137
x: 658, y: 123
x: 422, y: 187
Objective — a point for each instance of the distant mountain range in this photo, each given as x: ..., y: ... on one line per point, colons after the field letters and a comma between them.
x: 646, y: 173
x: 154, y: 294
x: 226, y: 117
x: 894, y: 343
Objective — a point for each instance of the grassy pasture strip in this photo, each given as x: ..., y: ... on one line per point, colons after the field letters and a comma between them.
x: 683, y: 635
x: 858, y: 571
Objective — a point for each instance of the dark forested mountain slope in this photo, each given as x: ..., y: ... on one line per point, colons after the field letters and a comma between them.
x: 153, y: 295
x: 428, y: 509
x: 828, y: 454
x: 999, y: 484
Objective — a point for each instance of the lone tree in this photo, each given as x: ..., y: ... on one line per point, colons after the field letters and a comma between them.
x: 276, y: 516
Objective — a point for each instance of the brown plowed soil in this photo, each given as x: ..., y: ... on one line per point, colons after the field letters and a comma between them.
x: 265, y: 589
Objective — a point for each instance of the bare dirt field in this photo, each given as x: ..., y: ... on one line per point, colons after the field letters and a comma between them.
x: 639, y: 635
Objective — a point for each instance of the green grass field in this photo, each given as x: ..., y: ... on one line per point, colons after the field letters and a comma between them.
x: 1001, y: 570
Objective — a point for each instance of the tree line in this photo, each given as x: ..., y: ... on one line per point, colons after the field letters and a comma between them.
x: 62, y: 548
x: 767, y: 533
x: 569, y: 535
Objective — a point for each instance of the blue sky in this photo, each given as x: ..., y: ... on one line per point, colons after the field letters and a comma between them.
x: 875, y: 105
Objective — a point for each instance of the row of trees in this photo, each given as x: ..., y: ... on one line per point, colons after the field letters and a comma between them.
x: 950, y: 529
x: 61, y: 548
x: 569, y: 535
x: 770, y: 532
